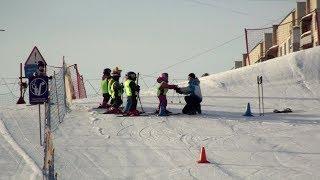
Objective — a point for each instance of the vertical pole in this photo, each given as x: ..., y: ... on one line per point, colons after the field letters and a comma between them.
x: 78, y: 81
x: 318, y: 26
x: 247, y: 45
x: 122, y: 96
x: 262, y: 95
x: 178, y: 93
x: 139, y: 93
x: 84, y: 88
x: 20, y: 79
x: 40, y: 124
x: 258, y: 82
x: 64, y: 72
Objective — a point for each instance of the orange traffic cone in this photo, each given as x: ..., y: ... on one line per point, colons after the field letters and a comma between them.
x: 203, y: 157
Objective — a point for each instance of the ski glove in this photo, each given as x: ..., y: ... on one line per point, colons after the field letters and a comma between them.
x: 178, y: 90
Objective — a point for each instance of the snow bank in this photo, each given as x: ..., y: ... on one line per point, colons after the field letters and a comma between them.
x: 291, y: 77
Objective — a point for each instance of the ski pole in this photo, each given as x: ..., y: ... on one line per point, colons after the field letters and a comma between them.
x: 262, y: 95
x: 123, y: 79
x: 258, y: 82
x: 139, y: 93
x: 173, y: 96
x: 178, y: 93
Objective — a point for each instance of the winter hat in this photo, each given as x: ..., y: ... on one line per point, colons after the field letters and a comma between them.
x: 192, y: 75
x: 165, y: 77
x: 106, y: 71
x: 116, y: 72
x: 131, y: 75
x: 160, y: 79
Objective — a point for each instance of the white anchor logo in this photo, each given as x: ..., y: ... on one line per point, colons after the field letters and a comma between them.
x: 38, y: 87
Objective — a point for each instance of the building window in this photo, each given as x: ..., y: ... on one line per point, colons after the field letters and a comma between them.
x: 306, y: 24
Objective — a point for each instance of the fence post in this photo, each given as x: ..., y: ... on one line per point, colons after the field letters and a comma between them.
x: 317, y: 26
x: 64, y: 72
x: 78, y: 81
x: 84, y: 88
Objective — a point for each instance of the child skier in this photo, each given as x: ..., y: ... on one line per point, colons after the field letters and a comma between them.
x: 104, y: 88
x: 131, y: 90
x: 116, y: 90
x: 161, y: 93
x: 194, y: 97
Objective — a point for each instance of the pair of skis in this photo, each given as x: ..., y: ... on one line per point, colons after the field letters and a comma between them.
x: 260, y: 95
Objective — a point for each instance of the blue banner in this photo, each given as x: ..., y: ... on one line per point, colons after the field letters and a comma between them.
x: 30, y: 69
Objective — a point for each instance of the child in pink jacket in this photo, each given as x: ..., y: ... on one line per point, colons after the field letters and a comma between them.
x: 162, y: 92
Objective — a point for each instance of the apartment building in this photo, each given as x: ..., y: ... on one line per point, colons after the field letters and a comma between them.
x: 310, y: 25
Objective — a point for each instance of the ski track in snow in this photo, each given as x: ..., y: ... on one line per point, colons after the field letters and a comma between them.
x: 6, y: 135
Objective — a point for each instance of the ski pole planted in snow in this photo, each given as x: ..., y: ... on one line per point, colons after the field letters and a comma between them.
x: 139, y: 93
x: 260, y: 95
x: 258, y: 82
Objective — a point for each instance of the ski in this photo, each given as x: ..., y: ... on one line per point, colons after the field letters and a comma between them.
x: 150, y: 114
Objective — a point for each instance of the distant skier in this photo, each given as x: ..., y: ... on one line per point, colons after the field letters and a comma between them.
x: 162, y: 92
x: 194, y: 97
x: 104, y: 88
x: 116, y: 90
x: 131, y: 90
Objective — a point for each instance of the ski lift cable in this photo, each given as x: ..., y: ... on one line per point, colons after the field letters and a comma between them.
x: 206, y: 51
x: 229, y: 9
x: 198, y: 54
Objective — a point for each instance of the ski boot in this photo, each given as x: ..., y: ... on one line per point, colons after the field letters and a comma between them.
x: 113, y: 110
x: 198, y: 108
x: 163, y: 111
x: 133, y: 113
x: 104, y: 106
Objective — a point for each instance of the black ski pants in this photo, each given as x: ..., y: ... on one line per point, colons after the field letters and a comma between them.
x: 193, y: 104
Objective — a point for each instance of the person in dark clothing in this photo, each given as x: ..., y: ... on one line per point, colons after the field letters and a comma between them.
x: 194, y: 96
x: 131, y: 90
x: 104, y: 88
x: 116, y: 90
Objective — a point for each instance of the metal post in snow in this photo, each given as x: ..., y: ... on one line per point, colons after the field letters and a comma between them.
x: 139, y: 94
x: 258, y: 82
x: 262, y: 95
x: 40, y: 125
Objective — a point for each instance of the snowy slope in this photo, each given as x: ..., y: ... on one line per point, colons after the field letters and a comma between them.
x: 90, y: 145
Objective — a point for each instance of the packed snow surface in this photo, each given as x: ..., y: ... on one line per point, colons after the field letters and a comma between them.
x: 92, y: 145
